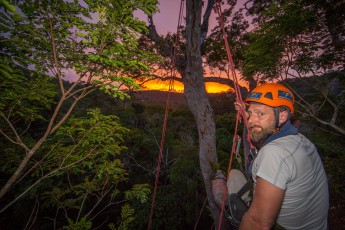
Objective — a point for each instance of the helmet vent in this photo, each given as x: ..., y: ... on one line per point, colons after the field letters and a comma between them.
x: 269, y: 95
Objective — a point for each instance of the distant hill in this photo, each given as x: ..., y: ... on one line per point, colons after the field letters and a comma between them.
x: 155, y: 97
x: 221, y: 102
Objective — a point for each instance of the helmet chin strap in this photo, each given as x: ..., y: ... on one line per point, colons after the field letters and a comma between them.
x: 277, y: 112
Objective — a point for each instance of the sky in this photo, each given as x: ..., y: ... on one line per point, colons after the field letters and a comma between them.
x: 167, y: 18
x: 166, y: 21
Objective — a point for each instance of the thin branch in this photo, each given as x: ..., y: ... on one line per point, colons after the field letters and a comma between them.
x: 329, y: 124
x: 33, y: 214
x: 80, y: 90
x: 59, y: 170
x: 18, y: 139
x: 50, y: 174
x: 55, y: 56
x: 79, y: 142
x: 64, y: 118
x: 28, y: 126
x: 81, y: 206
x: 205, y: 21
x: 98, y: 202
x: 38, y: 163
x: 137, y: 164
x: 13, y: 106
x: 68, y: 92
x: 101, y: 224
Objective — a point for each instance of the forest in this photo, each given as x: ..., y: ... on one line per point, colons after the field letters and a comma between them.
x: 82, y: 138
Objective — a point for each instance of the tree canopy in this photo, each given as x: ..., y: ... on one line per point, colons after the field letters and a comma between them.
x: 45, y: 44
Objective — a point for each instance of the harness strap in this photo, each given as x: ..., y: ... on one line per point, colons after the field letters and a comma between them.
x: 246, y: 187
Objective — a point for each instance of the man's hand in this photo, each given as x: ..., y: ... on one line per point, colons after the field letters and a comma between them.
x: 241, y: 107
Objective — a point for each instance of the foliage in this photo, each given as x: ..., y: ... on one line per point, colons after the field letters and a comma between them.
x: 92, y: 44
x: 289, y: 35
x: 139, y: 192
x: 83, y: 173
x: 97, y: 40
x: 170, y: 209
x: 179, y: 178
x: 7, y: 6
x: 126, y: 218
x: 24, y: 94
x: 214, y: 48
x: 75, y: 167
x: 296, y: 40
x: 83, y: 224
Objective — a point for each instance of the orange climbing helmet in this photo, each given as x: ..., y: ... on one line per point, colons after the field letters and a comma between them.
x: 272, y: 94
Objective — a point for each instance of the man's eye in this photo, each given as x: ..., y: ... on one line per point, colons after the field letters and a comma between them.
x: 260, y: 114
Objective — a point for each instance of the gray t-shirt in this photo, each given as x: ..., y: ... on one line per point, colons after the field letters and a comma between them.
x: 292, y: 163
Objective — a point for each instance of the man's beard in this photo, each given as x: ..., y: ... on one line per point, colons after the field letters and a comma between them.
x: 260, y: 135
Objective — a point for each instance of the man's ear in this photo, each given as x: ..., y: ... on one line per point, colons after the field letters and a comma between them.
x: 283, y: 116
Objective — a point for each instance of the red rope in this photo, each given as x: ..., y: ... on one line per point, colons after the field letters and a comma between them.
x: 203, y: 206
x: 241, y: 112
x: 171, y: 87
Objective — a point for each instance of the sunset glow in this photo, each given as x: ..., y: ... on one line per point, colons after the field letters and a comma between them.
x: 211, y: 87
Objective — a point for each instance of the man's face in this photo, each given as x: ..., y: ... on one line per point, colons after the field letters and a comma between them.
x: 261, y: 122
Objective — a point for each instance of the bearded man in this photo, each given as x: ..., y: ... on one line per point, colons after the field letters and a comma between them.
x: 290, y: 183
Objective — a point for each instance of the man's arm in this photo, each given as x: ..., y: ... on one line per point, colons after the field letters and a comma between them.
x: 265, y: 207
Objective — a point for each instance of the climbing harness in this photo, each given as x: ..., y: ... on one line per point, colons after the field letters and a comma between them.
x: 237, y: 140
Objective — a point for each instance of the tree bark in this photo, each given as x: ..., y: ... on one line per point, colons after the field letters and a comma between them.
x: 198, y: 102
x: 191, y: 69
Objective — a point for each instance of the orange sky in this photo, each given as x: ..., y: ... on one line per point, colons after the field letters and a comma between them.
x: 211, y: 87
x: 165, y: 21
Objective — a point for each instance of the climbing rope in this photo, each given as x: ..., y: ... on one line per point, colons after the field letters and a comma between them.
x: 171, y: 88
x: 197, y: 221
x: 241, y: 113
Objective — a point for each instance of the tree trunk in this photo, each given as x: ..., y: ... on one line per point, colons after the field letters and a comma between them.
x: 198, y: 102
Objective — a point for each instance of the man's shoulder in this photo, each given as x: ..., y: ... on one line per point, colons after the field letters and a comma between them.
x: 276, y: 150
x: 282, y: 147
x: 282, y: 142
x: 289, y: 140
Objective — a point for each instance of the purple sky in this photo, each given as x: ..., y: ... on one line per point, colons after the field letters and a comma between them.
x: 167, y: 18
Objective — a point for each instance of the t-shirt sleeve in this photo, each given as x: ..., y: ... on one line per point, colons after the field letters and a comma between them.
x: 274, y: 165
